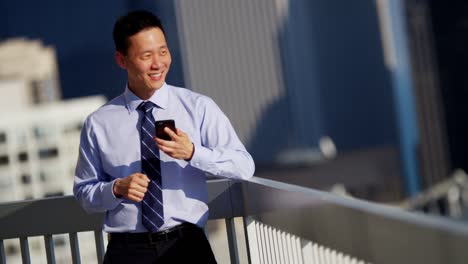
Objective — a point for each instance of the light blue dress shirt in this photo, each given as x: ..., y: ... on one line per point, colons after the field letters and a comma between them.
x: 110, y: 149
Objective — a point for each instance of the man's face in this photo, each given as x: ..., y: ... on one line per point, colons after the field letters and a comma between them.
x: 147, y: 61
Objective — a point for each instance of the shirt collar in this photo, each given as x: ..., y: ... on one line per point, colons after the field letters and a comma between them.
x: 159, y: 98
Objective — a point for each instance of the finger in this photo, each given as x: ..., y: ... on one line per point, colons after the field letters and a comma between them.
x: 169, y: 144
x: 181, y: 133
x: 161, y: 141
x: 141, y: 176
x: 166, y: 149
x: 139, y: 180
x: 137, y: 192
x: 138, y: 186
x: 170, y: 133
x: 135, y: 198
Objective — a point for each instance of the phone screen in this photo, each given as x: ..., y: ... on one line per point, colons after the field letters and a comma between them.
x: 161, y: 124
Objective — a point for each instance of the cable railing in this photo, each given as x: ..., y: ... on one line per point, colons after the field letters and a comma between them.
x: 283, y: 223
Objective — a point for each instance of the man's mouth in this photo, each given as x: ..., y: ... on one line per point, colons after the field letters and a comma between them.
x: 155, y: 76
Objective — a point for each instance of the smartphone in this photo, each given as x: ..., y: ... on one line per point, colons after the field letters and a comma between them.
x: 161, y: 124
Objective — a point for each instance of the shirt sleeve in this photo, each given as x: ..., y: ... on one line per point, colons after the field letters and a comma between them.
x: 91, y: 187
x: 220, y: 153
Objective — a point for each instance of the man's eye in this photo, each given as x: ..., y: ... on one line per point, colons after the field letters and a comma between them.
x: 163, y: 52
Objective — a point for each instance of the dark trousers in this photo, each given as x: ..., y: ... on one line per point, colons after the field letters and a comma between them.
x: 184, y: 244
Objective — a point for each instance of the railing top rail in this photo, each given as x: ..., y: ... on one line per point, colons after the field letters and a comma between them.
x: 373, y: 232
x: 60, y: 215
x: 55, y: 215
x: 367, y: 207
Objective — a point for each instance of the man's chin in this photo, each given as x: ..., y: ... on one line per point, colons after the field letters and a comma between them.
x: 153, y: 87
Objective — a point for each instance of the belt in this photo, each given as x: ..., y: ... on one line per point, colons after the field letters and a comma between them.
x: 151, y: 238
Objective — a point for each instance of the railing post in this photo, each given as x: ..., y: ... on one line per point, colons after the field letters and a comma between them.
x: 252, y: 240
x: 75, y: 249
x: 99, y: 245
x: 25, y: 250
x: 232, y: 241
x: 269, y: 244
x: 50, y: 252
x: 246, y: 234
x: 2, y: 252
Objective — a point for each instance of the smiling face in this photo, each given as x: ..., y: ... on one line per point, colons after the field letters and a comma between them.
x: 147, y: 62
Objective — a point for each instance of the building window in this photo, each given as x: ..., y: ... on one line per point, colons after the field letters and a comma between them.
x: 26, y: 179
x: 42, y: 176
x: 48, y: 153
x: 12, y: 250
x: 42, y: 132
x: 59, y: 241
x: 23, y: 156
x: 3, y: 137
x: 4, y: 160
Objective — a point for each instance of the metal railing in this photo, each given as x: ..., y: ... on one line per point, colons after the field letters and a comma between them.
x: 283, y: 223
x: 447, y: 198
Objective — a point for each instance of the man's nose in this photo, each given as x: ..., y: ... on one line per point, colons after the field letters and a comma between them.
x: 156, y: 62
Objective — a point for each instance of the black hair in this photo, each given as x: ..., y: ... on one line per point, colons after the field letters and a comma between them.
x: 130, y: 24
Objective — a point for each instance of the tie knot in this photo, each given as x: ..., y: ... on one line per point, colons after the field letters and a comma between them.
x: 146, y: 106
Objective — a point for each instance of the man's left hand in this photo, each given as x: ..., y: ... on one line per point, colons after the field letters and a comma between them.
x: 181, y: 147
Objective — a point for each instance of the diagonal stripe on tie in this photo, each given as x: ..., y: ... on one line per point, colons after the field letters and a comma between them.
x: 146, y: 161
x: 150, y: 223
x: 152, y: 205
x: 149, y: 148
x: 152, y: 182
x: 149, y: 121
x: 147, y: 132
x: 156, y: 199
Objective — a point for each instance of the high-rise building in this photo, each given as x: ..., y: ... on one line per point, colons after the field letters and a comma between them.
x: 28, y: 73
x: 39, y: 136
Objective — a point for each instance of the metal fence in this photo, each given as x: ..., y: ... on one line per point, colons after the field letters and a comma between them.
x: 283, y: 223
x: 271, y: 245
x: 447, y: 198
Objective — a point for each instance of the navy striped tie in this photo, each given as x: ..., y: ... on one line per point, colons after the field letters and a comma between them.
x: 152, y: 207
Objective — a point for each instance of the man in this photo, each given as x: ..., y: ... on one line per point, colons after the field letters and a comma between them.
x: 153, y: 190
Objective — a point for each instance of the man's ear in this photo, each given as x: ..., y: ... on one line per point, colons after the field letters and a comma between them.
x: 120, y: 59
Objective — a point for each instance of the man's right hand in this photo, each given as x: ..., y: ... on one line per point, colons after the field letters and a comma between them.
x: 132, y: 187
